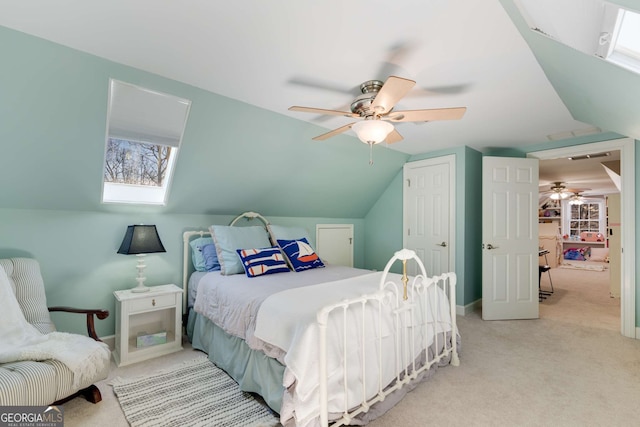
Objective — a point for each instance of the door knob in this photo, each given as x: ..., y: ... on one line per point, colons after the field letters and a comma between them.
x: 443, y: 244
x: 490, y: 246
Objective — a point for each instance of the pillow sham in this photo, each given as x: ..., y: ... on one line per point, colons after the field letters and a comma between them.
x: 228, y: 239
x: 300, y: 254
x: 279, y: 232
x: 258, y: 262
x: 210, y: 256
x: 196, y: 252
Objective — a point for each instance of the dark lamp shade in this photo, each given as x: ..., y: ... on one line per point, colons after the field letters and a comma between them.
x: 141, y: 239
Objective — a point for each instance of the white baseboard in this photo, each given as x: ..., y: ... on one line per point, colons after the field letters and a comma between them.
x: 463, y: 310
x: 109, y: 340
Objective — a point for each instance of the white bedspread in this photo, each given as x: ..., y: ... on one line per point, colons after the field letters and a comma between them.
x: 294, y: 313
x: 232, y: 302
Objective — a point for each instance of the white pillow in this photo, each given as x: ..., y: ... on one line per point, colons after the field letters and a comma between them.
x: 228, y: 239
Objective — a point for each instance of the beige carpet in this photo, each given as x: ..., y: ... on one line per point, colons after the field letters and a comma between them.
x: 571, y: 367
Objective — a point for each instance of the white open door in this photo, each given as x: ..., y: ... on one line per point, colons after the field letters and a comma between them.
x: 509, y: 238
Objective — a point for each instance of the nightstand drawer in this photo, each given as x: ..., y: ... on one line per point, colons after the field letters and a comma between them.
x: 152, y: 303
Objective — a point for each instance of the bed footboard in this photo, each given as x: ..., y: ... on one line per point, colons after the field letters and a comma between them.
x: 400, y: 331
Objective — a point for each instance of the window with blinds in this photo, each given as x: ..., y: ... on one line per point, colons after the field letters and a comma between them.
x: 144, y: 133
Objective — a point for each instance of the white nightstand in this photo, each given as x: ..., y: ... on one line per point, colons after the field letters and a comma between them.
x: 158, y: 313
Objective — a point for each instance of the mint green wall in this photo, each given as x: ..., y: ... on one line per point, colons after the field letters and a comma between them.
x: 472, y: 218
x: 383, y: 227
x: 78, y: 259
x: 234, y: 156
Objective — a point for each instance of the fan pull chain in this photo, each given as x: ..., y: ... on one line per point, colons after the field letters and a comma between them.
x: 370, y: 153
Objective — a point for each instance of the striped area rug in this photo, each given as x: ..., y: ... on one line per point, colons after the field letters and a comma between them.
x: 193, y: 393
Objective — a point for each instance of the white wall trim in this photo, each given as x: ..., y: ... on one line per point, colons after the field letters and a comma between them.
x: 463, y: 310
x: 109, y: 340
x: 628, y: 219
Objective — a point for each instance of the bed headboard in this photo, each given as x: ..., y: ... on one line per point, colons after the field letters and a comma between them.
x: 249, y: 216
x: 187, y: 236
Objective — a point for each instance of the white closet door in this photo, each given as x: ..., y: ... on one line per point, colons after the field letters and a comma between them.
x: 429, y: 213
x: 334, y: 243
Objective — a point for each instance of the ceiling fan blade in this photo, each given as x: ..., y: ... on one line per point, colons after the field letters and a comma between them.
x: 392, y: 91
x: 333, y: 132
x: 323, y: 111
x: 427, y: 115
x: 393, y: 137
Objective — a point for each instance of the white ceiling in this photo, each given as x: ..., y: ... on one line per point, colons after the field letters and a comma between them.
x: 290, y: 52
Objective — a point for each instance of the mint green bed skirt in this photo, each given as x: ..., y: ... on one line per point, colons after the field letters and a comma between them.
x: 252, y: 370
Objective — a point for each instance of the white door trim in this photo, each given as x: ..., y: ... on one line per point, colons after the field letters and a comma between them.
x: 449, y: 159
x: 627, y: 213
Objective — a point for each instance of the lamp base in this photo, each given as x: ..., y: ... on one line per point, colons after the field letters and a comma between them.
x: 140, y: 278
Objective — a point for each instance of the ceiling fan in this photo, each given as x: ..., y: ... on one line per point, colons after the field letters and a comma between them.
x: 577, y: 198
x: 559, y: 191
x: 375, y: 107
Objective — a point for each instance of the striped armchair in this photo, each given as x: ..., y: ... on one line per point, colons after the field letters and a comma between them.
x: 28, y: 382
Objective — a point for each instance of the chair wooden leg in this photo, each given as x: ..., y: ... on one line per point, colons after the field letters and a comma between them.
x: 92, y: 394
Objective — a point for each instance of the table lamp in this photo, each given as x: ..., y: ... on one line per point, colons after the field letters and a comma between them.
x: 141, y: 240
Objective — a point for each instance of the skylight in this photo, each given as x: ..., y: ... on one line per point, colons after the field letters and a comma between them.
x: 594, y: 27
x: 144, y: 133
x: 625, y: 48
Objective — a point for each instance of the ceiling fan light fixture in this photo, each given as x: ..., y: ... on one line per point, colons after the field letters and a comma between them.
x: 372, y: 131
x: 576, y: 200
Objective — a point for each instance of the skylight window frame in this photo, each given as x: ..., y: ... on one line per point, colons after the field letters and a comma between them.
x: 125, y: 193
x: 589, y: 26
x: 623, y: 56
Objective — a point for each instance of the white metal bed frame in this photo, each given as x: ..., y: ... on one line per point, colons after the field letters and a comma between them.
x: 403, y: 300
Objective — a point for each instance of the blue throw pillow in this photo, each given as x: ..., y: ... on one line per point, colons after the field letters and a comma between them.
x: 196, y: 252
x: 257, y: 262
x: 210, y: 257
x: 300, y: 254
x: 229, y: 239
